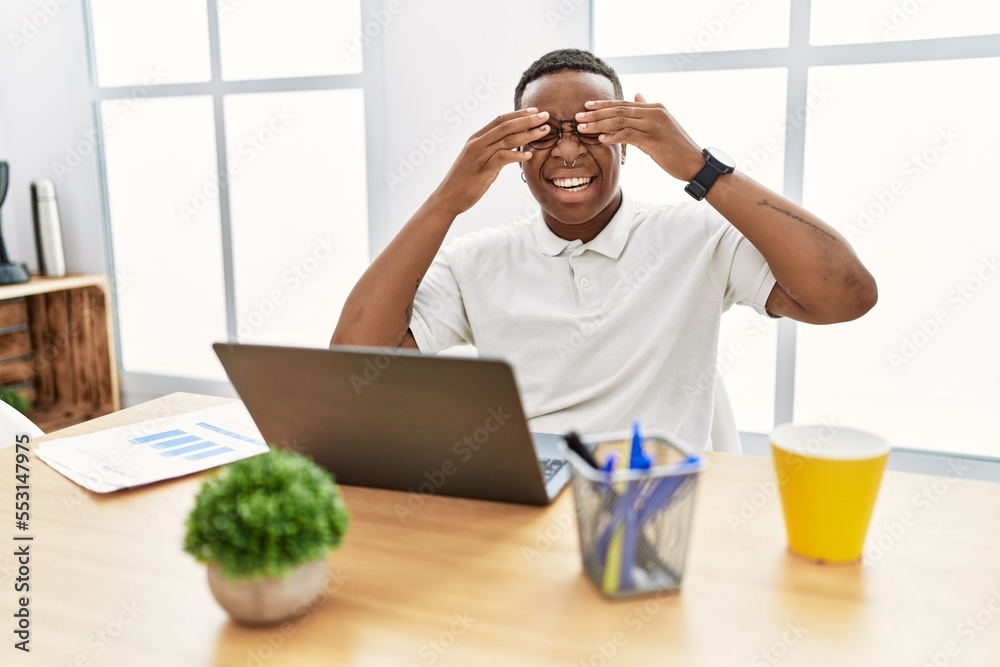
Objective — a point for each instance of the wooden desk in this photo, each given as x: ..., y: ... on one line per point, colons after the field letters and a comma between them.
x: 466, y: 583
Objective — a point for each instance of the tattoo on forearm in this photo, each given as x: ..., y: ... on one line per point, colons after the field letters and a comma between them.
x: 765, y: 202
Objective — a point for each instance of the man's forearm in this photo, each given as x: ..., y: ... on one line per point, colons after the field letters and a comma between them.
x: 377, y: 311
x: 812, y: 263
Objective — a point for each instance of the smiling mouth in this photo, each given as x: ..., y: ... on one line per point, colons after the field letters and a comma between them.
x: 572, y: 184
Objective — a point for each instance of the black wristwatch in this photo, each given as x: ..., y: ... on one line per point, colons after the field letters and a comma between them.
x: 717, y: 163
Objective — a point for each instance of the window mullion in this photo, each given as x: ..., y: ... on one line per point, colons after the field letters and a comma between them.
x: 796, y: 109
x: 225, y: 216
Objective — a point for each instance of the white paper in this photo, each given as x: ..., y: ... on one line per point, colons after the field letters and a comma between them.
x: 157, y: 449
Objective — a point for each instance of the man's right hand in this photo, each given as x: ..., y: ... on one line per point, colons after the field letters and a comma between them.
x: 378, y: 310
x: 486, y: 153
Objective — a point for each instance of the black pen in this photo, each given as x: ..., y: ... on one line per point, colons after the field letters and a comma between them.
x: 574, y: 443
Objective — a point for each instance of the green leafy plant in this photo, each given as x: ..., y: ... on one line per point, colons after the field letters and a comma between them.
x: 265, y: 515
x: 15, y: 399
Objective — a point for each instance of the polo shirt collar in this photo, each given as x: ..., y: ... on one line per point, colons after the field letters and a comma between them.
x: 610, y: 242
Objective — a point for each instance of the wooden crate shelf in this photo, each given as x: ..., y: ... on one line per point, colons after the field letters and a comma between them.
x: 56, y: 347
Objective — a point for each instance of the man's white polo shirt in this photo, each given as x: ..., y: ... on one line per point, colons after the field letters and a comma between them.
x: 600, y: 333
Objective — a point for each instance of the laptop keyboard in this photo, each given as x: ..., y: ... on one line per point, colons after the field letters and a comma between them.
x: 550, y: 467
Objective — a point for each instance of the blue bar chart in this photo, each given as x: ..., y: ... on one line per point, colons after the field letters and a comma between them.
x: 177, y: 442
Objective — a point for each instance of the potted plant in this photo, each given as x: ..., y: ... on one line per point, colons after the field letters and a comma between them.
x: 264, y: 526
x: 15, y: 399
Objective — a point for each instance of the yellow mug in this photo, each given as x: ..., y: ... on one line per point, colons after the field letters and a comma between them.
x: 828, y: 477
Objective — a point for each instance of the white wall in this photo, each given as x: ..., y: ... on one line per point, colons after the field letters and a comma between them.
x: 45, y: 114
x: 441, y: 53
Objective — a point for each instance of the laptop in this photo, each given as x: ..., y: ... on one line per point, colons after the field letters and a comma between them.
x: 398, y: 419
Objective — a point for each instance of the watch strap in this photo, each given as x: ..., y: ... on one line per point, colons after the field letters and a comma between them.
x: 706, y: 178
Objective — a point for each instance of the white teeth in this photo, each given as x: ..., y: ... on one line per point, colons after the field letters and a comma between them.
x: 571, y: 182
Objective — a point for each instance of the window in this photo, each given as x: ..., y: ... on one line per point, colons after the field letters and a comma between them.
x: 883, y: 107
x: 235, y: 173
x: 923, y: 362
x: 688, y: 28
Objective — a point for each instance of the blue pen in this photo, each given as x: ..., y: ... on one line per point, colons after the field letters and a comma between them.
x: 663, y: 492
x: 613, y: 553
x: 637, y: 461
x: 666, y: 488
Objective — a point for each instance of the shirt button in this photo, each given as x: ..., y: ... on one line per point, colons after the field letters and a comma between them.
x: 584, y: 282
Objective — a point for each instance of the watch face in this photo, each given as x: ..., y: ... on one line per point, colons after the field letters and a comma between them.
x: 721, y: 158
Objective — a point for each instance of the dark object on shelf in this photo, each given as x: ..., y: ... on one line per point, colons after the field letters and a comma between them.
x: 9, y: 273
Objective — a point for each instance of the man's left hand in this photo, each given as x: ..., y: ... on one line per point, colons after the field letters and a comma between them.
x: 650, y: 128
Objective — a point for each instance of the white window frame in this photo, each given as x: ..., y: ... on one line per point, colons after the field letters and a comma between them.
x: 797, y: 58
x: 137, y: 387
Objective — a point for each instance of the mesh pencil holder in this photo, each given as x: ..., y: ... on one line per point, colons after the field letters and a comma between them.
x: 634, y: 524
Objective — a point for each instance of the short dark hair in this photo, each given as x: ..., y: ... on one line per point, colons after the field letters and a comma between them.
x: 566, y: 59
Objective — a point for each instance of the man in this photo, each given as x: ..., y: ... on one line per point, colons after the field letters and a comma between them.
x: 606, y: 308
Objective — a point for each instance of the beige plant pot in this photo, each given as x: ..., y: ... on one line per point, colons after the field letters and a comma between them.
x: 268, y: 600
